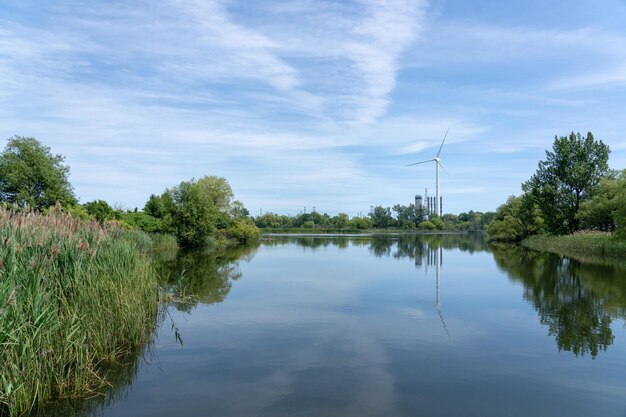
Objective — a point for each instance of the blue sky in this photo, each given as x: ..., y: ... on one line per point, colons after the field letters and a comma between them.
x: 311, y: 103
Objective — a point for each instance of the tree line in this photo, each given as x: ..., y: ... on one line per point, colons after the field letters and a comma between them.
x: 573, y: 189
x: 198, y: 212
x: 405, y: 217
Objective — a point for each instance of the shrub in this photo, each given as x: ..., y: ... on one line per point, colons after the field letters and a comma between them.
x: 243, y: 231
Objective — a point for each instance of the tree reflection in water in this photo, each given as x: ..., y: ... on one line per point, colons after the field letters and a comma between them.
x: 576, y: 299
x: 200, y: 277
x: 204, y: 277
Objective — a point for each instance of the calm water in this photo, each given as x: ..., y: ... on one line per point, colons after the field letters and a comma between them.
x: 395, y: 326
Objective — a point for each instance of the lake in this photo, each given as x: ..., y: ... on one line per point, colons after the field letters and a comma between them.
x: 398, y: 325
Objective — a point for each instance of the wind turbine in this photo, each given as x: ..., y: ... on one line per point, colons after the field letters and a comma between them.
x: 437, y: 165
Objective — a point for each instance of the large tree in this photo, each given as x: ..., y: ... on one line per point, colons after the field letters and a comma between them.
x: 200, y: 208
x: 568, y: 176
x: 31, y: 174
x: 381, y: 217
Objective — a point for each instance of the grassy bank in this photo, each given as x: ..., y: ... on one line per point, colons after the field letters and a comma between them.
x: 586, y: 244
x: 74, y: 297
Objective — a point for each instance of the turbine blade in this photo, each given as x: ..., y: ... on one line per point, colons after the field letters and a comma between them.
x: 444, y: 139
x: 417, y: 163
x: 441, y: 165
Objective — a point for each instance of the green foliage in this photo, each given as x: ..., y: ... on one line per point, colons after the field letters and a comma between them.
x: 599, y: 212
x: 239, y: 211
x: 31, y: 175
x: 74, y: 296
x: 381, y: 217
x: 516, y: 219
x: 163, y: 242
x: 78, y: 211
x: 569, y: 176
x: 200, y: 208
x: 406, y: 218
x: 309, y: 224
x: 437, y: 222
x: 274, y: 221
x: 199, y: 212
x: 100, y: 210
x: 409, y: 215
x: 340, y: 221
x: 159, y: 206
x: 620, y: 213
x: 144, y: 221
x: 361, y: 223
x: 243, y: 231
x: 426, y: 225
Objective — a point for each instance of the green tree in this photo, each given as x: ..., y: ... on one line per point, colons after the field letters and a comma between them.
x: 437, y: 222
x: 159, y: 206
x: 100, y: 210
x: 198, y: 209
x: 31, y: 174
x: 406, y: 215
x: 239, y: 211
x: 145, y: 222
x: 620, y: 213
x: 516, y: 219
x: 381, y: 217
x: 340, y: 221
x: 361, y: 223
x: 426, y: 225
x: 599, y: 212
x: 569, y: 176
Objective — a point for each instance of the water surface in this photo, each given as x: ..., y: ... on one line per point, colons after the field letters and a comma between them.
x: 413, y: 325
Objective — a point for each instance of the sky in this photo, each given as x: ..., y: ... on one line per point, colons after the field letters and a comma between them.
x: 311, y: 103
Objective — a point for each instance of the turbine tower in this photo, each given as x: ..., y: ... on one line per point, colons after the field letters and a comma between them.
x: 438, y: 164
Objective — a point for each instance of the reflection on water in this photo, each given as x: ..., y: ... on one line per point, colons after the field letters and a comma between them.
x: 120, y: 377
x: 202, y: 277
x: 576, y: 300
x: 357, y: 325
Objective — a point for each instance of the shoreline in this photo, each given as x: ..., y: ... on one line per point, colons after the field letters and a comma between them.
x: 577, y: 245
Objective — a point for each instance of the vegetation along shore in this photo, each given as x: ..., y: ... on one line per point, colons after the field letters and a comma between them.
x: 79, y: 287
x: 79, y: 290
x: 573, y: 204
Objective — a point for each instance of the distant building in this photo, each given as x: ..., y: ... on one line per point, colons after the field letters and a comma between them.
x: 418, y: 201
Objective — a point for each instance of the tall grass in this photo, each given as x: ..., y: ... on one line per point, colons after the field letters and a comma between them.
x: 75, y: 296
x: 580, y: 243
x: 163, y: 242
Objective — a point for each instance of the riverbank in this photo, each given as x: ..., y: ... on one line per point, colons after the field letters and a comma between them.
x: 75, y: 297
x: 579, y: 244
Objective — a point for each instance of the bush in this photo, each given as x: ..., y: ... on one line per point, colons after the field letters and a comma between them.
x: 100, y: 210
x: 426, y: 225
x: 516, y: 219
x: 144, y: 221
x: 309, y: 224
x: 361, y: 223
x: 243, y: 231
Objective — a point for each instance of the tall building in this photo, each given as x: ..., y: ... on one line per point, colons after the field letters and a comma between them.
x: 418, y: 201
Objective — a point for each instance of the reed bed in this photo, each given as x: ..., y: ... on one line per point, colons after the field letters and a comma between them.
x: 163, y: 242
x: 75, y: 297
x: 586, y: 243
